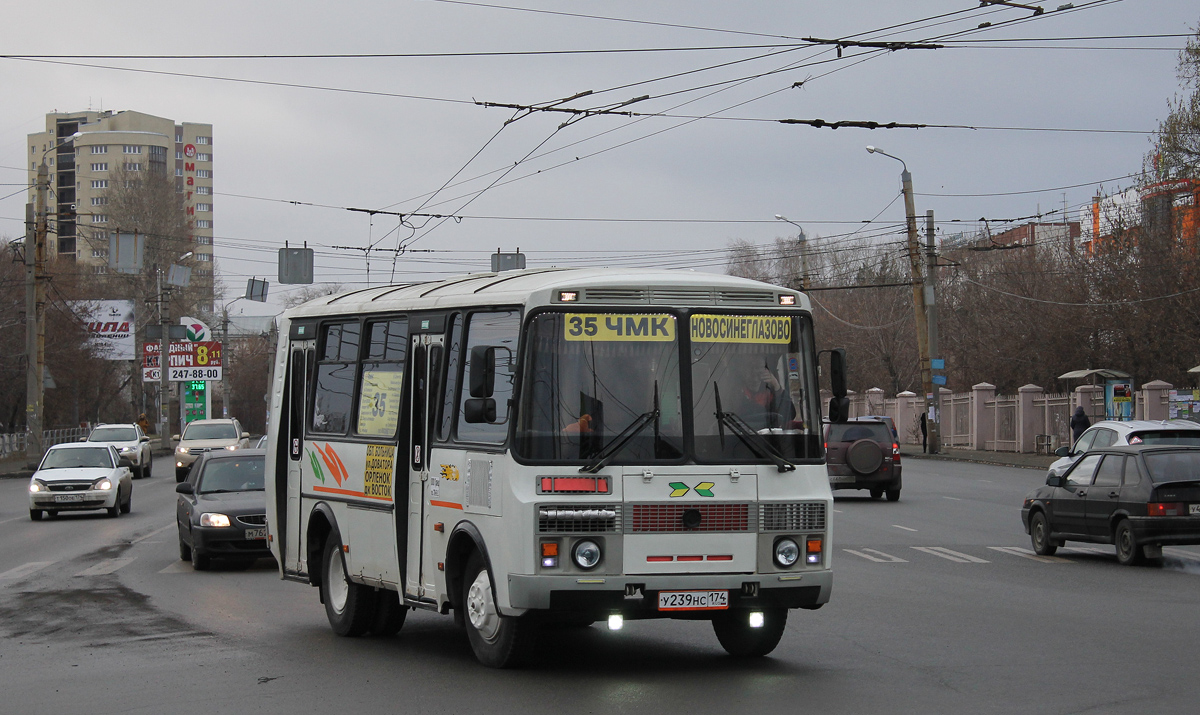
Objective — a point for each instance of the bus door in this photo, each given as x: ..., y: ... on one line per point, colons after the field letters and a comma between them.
x: 425, y: 362
x: 301, y: 358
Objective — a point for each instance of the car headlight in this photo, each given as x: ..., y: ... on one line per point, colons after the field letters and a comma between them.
x: 35, y: 486
x: 586, y: 554
x: 103, y: 484
x: 232, y: 447
x: 127, y: 450
x: 787, y: 552
x: 209, y: 519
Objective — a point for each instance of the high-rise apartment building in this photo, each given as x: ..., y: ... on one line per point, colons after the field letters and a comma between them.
x: 121, y: 144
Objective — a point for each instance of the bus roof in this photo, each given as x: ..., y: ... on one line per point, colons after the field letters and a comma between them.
x: 538, y: 286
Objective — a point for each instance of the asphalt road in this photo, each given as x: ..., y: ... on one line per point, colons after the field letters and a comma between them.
x: 938, y: 606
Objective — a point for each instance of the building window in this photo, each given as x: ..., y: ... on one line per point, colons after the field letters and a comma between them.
x: 203, y: 190
x: 179, y: 172
x: 203, y: 240
x: 203, y: 223
x: 203, y: 140
x: 132, y: 149
x: 204, y: 157
x: 159, y: 151
x: 100, y: 167
x: 99, y: 200
x: 99, y: 183
x: 99, y: 218
x: 204, y: 257
x: 133, y: 166
x: 179, y: 155
x: 203, y: 173
x: 204, y: 207
x: 99, y: 148
x: 100, y: 269
x: 97, y: 253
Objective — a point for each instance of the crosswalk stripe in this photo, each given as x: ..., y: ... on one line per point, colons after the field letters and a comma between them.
x: 1090, y: 550
x: 879, y: 557
x: 24, y: 570
x: 107, y: 566
x: 177, y: 567
x: 903, y: 527
x: 955, y: 556
x: 1027, y: 554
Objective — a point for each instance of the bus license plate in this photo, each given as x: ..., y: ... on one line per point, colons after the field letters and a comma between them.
x: 260, y: 533
x: 60, y: 498
x: 1194, y: 509
x: 693, y: 600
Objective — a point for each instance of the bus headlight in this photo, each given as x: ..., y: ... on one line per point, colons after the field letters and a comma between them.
x: 586, y: 555
x: 787, y: 552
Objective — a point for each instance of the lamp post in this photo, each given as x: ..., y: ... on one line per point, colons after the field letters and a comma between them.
x: 35, y: 308
x: 803, y: 241
x: 919, y: 307
x: 164, y: 360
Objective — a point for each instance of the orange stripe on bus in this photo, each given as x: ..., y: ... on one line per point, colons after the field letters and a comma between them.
x: 349, y: 493
x: 447, y: 504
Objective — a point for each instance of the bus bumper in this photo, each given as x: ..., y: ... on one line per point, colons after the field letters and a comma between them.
x: 637, y: 596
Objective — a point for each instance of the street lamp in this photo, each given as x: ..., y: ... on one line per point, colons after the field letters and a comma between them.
x: 924, y: 331
x: 164, y: 359
x: 35, y: 308
x: 803, y: 241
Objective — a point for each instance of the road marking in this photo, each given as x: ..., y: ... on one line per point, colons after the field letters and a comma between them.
x: 953, y: 498
x: 13, y: 518
x: 178, y: 567
x: 1180, y: 553
x: 107, y: 566
x: 24, y: 570
x: 835, y: 511
x: 156, y: 532
x: 955, y: 556
x: 1090, y: 550
x: 903, y: 527
x: 880, y: 557
x: 1027, y: 554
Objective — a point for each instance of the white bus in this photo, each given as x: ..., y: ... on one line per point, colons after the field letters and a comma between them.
x: 564, y: 445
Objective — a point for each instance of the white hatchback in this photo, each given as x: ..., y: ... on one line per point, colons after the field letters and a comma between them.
x: 80, y: 476
x: 1107, y: 433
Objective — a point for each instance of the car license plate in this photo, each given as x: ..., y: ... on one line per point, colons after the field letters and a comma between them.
x: 1194, y: 509
x: 693, y: 600
x: 837, y: 479
x: 259, y: 533
x: 61, y: 498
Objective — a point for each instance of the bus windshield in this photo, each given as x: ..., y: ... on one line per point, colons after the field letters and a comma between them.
x: 601, y: 383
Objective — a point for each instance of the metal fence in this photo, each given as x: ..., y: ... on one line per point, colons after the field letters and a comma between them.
x: 14, y: 443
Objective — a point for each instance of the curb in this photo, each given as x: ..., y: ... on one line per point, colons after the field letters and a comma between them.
x: 955, y: 458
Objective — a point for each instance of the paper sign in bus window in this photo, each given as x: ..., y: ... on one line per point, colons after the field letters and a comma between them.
x: 741, y: 329
x: 612, y: 327
x: 379, y: 402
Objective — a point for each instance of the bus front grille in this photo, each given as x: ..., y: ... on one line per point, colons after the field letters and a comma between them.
x: 652, y: 518
x: 579, y: 518
x: 794, y: 516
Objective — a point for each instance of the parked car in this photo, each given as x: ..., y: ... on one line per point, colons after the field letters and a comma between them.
x: 1138, y: 497
x: 221, y: 511
x: 80, y: 476
x: 1107, y: 433
x: 863, y: 454
x: 201, y: 436
x: 131, y: 442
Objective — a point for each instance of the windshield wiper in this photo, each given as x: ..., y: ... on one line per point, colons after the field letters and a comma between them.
x: 755, y: 441
x: 610, y: 450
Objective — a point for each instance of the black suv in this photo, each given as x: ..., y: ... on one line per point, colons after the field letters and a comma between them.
x: 863, y: 455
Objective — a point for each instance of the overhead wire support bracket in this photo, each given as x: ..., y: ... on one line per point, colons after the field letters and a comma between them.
x: 1032, y: 8
x: 858, y: 124
x: 873, y: 44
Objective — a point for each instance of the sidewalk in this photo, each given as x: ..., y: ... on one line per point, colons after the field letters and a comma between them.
x: 1003, y: 459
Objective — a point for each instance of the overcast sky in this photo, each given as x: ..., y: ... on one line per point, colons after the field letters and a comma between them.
x: 389, y: 132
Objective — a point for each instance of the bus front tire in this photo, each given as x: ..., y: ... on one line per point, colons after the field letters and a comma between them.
x: 741, y: 641
x: 350, y: 607
x: 498, y: 641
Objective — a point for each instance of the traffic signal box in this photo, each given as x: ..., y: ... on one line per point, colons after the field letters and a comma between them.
x: 195, y: 400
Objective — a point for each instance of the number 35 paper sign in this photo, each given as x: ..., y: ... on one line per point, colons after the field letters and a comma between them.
x: 379, y: 402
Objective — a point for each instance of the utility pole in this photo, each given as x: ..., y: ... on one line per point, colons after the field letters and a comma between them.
x: 164, y: 366
x: 933, y: 425
x: 35, y: 307
x: 918, y: 280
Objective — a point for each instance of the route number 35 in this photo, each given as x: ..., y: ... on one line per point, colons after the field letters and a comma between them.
x: 582, y: 326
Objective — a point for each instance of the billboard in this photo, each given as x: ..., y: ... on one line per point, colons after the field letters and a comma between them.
x: 111, y: 324
x: 189, y: 361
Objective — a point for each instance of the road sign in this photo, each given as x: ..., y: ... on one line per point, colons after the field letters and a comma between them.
x: 939, y: 379
x: 189, y: 361
x: 937, y: 363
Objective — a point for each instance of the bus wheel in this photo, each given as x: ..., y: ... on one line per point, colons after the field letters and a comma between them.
x: 741, y: 641
x: 389, y: 614
x: 498, y: 641
x: 349, y: 606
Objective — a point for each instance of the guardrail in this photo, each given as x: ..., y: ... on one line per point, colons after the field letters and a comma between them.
x: 14, y: 442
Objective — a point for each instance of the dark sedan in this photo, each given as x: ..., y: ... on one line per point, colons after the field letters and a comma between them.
x: 1138, y: 497
x: 222, y: 509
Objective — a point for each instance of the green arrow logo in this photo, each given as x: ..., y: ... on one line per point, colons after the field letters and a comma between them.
x: 678, y: 489
x: 704, y: 489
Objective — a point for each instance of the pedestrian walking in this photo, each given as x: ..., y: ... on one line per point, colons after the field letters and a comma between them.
x: 924, y: 434
x: 1079, y: 423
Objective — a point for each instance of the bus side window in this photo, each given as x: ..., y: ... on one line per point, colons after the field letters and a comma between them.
x: 450, y: 396
x: 334, y: 392
x: 500, y: 330
x: 382, y: 378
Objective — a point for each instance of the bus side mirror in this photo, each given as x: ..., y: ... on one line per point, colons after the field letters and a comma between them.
x: 837, y: 372
x: 479, y: 410
x: 839, y: 409
x: 483, y: 372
